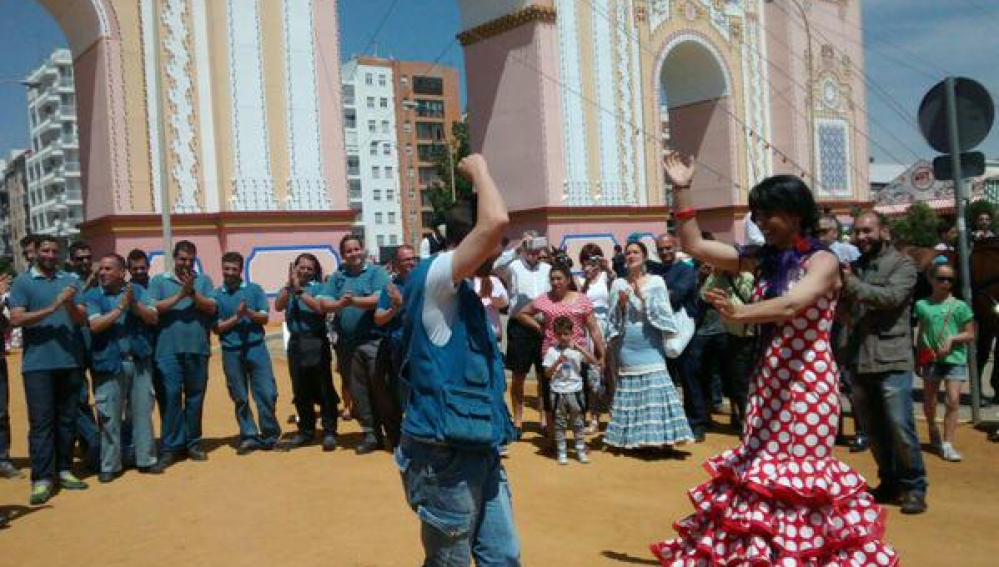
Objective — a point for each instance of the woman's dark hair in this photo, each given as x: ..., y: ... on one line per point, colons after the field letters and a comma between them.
x: 641, y: 246
x: 786, y: 194
x: 347, y: 238
x: 589, y: 251
x: 460, y: 219
x: 562, y: 324
x: 315, y: 262
x: 566, y: 272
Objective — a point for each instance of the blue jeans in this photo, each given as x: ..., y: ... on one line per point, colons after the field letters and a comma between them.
x: 125, y: 402
x: 249, y: 370
x: 886, y: 402
x: 86, y: 424
x: 463, y: 500
x: 53, y: 398
x: 185, y: 379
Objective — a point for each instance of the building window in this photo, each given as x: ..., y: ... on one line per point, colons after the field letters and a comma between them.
x: 371, y: 102
x: 353, y: 165
x: 383, y: 102
x: 372, y: 126
x: 385, y: 126
x: 407, y: 127
x: 409, y: 149
x: 390, y: 195
x: 378, y: 218
x: 430, y: 108
x: 429, y: 152
x: 429, y: 176
x: 428, y: 85
x: 391, y: 218
x: 393, y: 239
x: 367, y: 79
x: 411, y: 173
x: 375, y: 172
x: 387, y: 149
x: 381, y: 240
x: 381, y: 79
x: 377, y: 194
x: 350, y: 118
x: 429, y: 131
x: 404, y: 81
x: 348, y: 95
x: 388, y: 172
x: 834, y: 158
x: 374, y: 148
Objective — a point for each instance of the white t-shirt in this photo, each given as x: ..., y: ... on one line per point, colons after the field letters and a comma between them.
x: 440, y: 302
x: 499, y: 293
x: 569, y: 378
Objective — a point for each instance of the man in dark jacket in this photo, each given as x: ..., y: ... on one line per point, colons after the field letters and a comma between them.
x: 880, y: 347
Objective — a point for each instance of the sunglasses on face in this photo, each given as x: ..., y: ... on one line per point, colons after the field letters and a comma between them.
x: 945, y: 279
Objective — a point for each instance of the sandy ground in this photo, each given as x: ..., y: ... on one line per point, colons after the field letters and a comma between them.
x: 308, y: 508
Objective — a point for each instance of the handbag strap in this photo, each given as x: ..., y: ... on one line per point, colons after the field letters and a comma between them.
x: 943, y: 329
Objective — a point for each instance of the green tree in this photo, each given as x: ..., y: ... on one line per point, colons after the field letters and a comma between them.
x: 918, y: 227
x: 440, y: 193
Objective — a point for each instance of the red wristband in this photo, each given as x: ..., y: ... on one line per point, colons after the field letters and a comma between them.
x: 685, y: 214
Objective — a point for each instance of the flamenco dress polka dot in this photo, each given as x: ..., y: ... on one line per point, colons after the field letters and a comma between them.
x: 781, y: 498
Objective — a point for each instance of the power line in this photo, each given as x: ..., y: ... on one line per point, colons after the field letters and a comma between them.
x: 378, y: 28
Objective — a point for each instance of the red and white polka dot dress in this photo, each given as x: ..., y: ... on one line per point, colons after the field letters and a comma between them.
x: 781, y: 498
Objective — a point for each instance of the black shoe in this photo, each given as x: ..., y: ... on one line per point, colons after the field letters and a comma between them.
x: 8, y: 470
x: 247, y: 446
x: 885, y: 494
x: 106, y: 477
x: 329, y: 443
x: 162, y: 463
x: 197, y: 454
x: 699, y: 436
x: 368, y: 445
x: 298, y: 440
x: 860, y: 444
x: 994, y: 436
x: 913, y: 503
x: 149, y: 470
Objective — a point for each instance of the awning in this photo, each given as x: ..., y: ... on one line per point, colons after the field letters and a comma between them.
x: 939, y: 205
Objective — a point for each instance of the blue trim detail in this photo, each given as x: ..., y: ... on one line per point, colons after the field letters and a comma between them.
x: 569, y: 237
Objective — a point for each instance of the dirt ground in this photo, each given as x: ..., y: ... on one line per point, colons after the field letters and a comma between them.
x: 308, y: 508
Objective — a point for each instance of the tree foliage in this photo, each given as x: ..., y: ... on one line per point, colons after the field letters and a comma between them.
x: 917, y: 227
x: 440, y: 194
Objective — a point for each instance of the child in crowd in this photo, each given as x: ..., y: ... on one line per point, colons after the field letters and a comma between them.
x: 563, y: 365
x: 946, y: 326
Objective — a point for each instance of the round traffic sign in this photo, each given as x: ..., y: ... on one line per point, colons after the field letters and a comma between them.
x: 975, y: 113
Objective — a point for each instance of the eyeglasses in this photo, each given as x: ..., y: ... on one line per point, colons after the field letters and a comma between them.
x: 945, y: 279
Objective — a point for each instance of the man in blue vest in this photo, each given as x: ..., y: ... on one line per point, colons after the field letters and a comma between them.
x: 456, y: 418
x: 243, y: 311
x: 186, y: 310
x: 121, y: 364
x: 42, y: 301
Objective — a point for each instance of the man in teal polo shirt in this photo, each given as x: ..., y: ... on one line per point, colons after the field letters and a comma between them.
x: 243, y: 311
x: 121, y: 365
x: 352, y: 293
x: 42, y: 301
x: 186, y: 310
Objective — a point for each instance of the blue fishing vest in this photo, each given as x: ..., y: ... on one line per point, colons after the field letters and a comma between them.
x: 456, y: 391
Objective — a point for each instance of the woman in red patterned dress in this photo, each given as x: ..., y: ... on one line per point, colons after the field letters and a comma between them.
x: 780, y: 498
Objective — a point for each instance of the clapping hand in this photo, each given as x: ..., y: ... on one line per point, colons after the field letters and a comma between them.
x: 395, y: 296
x: 66, y: 295
x: 347, y: 300
x: 187, y: 279
x: 127, y: 298
x: 242, y: 310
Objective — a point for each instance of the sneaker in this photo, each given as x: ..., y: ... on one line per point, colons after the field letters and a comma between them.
x: 68, y: 481
x: 298, y: 440
x: 370, y: 444
x: 563, y: 459
x: 197, y: 454
x: 504, y: 451
x: 8, y: 470
x: 41, y: 491
x: 935, y: 440
x: 163, y: 462
x: 582, y: 456
x: 913, y: 503
x: 329, y: 443
x: 949, y: 453
x: 247, y: 446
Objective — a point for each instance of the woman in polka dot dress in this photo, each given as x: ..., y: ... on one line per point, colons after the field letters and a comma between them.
x: 780, y: 498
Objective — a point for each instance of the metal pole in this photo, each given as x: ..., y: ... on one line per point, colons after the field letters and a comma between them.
x: 450, y: 162
x: 960, y: 198
x: 164, y: 172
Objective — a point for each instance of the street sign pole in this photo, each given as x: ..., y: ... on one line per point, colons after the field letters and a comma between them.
x: 961, y: 201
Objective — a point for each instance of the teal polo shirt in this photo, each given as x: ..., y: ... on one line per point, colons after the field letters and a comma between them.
x: 129, y: 331
x: 54, y: 343
x: 246, y: 333
x: 184, y: 329
x: 303, y: 320
x: 355, y: 326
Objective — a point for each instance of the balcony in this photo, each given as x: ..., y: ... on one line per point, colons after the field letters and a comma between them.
x: 71, y: 169
x: 67, y: 111
x: 350, y: 139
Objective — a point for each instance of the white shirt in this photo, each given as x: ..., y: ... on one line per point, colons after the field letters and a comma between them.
x: 499, y: 293
x: 598, y: 292
x: 440, y: 300
x: 569, y: 378
x: 526, y: 283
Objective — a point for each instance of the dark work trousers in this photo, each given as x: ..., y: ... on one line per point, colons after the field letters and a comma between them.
x: 86, y: 425
x: 53, y: 398
x: 312, y: 385
x: 686, y: 371
x: 737, y: 367
x: 385, y: 392
x: 363, y: 364
x: 4, y: 412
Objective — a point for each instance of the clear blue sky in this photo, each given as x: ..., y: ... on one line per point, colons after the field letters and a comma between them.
x: 911, y: 44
